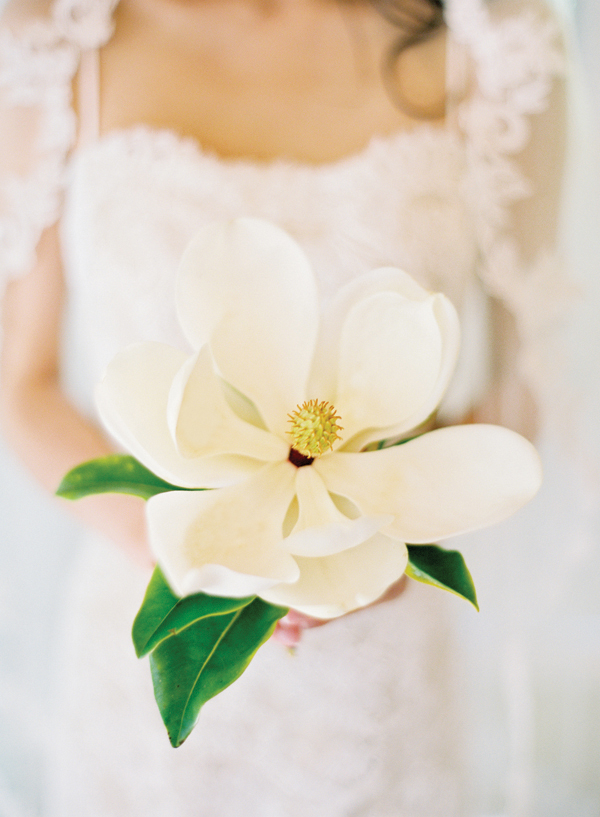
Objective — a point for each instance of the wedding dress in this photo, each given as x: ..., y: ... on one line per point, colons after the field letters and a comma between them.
x: 370, y: 717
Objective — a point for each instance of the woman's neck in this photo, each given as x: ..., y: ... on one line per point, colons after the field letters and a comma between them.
x: 303, y: 81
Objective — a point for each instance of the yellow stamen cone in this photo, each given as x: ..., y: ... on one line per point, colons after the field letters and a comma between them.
x: 314, y: 428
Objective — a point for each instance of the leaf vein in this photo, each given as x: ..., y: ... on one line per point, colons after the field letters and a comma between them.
x: 204, y: 665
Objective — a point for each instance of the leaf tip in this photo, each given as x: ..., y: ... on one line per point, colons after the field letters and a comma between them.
x: 176, y: 741
x: 65, y: 488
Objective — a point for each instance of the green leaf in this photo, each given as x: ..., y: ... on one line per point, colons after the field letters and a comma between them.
x: 194, y: 665
x: 387, y: 444
x: 164, y: 614
x: 117, y: 473
x: 442, y: 568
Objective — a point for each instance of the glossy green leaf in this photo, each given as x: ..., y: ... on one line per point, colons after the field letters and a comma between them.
x: 195, y: 664
x: 377, y: 446
x: 116, y: 473
x: 432, y: 564
x: 164, y: 614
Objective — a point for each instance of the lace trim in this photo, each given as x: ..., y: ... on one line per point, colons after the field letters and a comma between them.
x: 36, y: 71
x: 88, y: 23
x: 516, y: 60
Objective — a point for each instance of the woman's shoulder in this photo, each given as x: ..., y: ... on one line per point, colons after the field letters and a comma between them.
x: 37, y: 64
x: 35, y: 54
x: 20, y: 14
x: 79, y: 23
x: 513, y: 48
x: 28, y: 22
x: 509, y: 8
x: 478, y: 22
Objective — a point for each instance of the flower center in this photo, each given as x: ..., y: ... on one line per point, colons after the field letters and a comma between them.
x: 314, y: 430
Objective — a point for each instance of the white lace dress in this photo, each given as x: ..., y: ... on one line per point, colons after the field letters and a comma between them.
x: 365, y: 720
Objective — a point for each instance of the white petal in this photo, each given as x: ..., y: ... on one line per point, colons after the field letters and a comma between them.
x: 228, y: 541
x: 132, y: 401
x: 386, y: 279
x: 450, y: 336
x: 390, y: 359
x: 441, y: 484
x: 247, y: 287
x: 324, y: 378
x: 321, y: 528
x: 202, y: 422
x: 333, y: 585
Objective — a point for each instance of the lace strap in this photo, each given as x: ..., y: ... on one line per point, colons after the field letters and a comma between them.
x: 88, y: 94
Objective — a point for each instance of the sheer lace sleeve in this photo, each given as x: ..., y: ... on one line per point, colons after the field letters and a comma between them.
x: 532, y: 182
x: 39, y: 55
x: 514, y: 119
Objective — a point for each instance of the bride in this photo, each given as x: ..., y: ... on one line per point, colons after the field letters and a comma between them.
x: 388, y: 133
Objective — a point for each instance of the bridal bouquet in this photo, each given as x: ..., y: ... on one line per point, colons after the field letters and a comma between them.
x: 283, y: 460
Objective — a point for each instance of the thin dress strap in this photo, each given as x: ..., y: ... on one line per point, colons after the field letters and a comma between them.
x: 88, y: 97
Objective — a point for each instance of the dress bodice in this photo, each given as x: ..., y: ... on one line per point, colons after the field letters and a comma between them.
x: 136, y: 197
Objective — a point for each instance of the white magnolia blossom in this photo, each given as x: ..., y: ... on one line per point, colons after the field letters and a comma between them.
x: 323, y: 535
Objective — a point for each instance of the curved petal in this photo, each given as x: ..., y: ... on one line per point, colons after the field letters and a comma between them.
x: 321, y: 528
x: 247, y: 287
x: 333, y: 585
x: 202, y: 422
x: 132, y: 401
x: 448, y: 324
x: 390, y: 359
x: 324, y: 377
x: 443, y: 483
x: 226, y: 542
x: 385, y: 279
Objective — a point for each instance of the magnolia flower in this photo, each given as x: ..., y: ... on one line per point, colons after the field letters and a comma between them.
x: 276, y: 411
